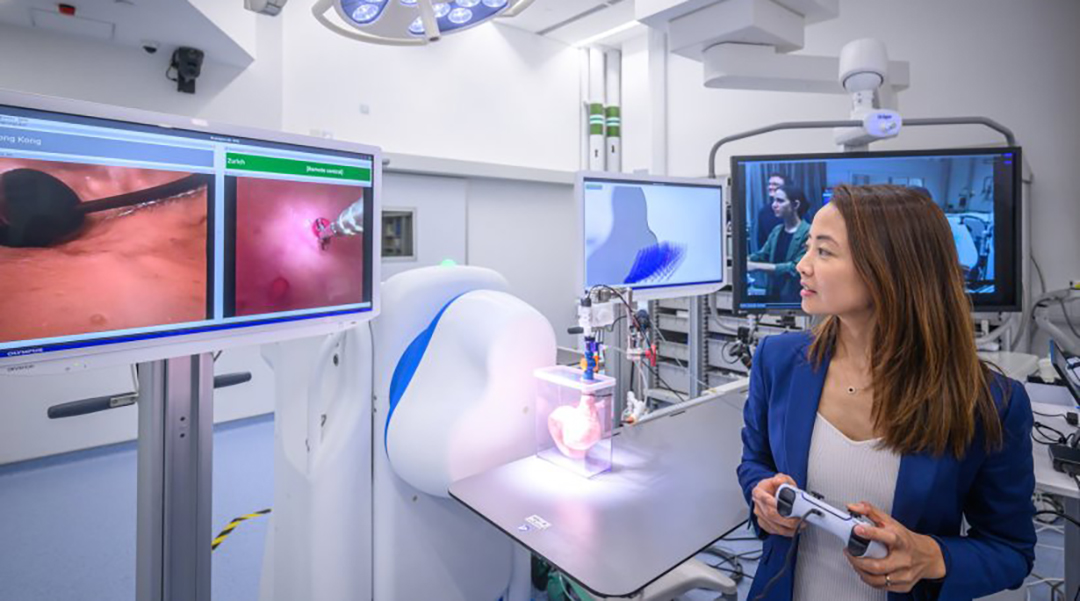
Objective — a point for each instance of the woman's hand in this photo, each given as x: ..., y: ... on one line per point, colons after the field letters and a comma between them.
x: 912, y: 557
x: 764, y: 496
x: 758, y: 266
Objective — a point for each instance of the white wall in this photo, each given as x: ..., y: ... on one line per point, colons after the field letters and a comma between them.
x: 1011, y: 61
x: 26, y: 432
x: 493, y: 94
x: 439, y: 219
x: 69, y: 67
x: 526, y: 232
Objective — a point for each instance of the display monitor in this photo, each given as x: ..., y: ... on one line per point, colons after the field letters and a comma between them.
x: 153, y: 236
x: 1068, y: 367
x: 650, y: 233
x: 774, y: 199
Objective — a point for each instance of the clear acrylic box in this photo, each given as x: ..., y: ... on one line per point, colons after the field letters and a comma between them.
x: 574, y: 419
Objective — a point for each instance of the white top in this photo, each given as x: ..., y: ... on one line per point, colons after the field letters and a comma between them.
x: 844, y: 471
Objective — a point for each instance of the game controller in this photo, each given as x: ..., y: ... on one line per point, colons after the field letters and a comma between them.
x: 794, y: 503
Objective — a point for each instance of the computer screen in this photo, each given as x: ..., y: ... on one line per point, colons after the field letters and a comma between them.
x: 1068, y: 366
x: 651, y: 232
x: 119, y: 231
x: 774, y: 199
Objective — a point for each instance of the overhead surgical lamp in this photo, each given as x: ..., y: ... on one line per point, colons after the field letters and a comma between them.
x: 409, y: 22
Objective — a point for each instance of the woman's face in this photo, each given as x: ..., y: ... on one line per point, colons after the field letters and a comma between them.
x: 831, y: 285
x: 782, y: 206
x: 774, y: 185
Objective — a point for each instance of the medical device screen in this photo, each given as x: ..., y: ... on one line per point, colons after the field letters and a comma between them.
x: 114, y: 231
x: 648, y: 234
x: 774, y: 199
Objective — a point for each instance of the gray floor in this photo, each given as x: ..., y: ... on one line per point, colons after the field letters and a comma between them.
x: 67, y: 524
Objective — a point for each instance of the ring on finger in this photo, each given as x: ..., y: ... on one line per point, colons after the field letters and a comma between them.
x: 888, y: 581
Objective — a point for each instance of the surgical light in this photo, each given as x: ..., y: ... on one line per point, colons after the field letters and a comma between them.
x: 460, y: 16
x: 365, y: 13
x: 409, y: 22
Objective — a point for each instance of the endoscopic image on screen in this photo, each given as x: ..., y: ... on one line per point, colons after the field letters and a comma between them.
x: 93, y: 248
x: 298, y: 245
x: 651, y: 235
x: 783, y: 196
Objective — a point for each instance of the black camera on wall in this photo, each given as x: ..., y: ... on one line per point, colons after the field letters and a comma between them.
x: 187, y: 65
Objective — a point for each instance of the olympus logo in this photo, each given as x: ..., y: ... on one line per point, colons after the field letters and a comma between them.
x: 29, y: 351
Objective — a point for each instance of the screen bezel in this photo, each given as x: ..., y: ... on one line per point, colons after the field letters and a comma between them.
x: 701, y: 287
x: 1012, y: 298
x: 157, y: 345
x: 1059, y: 359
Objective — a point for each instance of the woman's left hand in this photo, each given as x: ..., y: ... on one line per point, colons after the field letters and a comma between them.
x: 912, y: 557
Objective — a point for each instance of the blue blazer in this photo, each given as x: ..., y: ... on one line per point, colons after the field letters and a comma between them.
x: 933, y: 494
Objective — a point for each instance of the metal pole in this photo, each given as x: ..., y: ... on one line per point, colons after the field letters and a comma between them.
x: 174, y: 479
x: 695, y: 344
x: 1010, y: 139
x: 1072, y: 549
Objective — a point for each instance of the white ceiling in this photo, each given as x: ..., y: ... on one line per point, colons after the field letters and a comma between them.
x: 571, y: 21
x: 170, y: 23
x: 199, y: 23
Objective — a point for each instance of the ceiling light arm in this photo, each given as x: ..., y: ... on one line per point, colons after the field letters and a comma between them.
x: 1010, y: 138
x: 515, y: 9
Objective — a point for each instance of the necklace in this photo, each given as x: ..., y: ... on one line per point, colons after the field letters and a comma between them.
x: 852, y: 390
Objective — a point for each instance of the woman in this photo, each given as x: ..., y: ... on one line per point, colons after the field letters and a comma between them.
x: 887, y: 410
x: 785, y: 246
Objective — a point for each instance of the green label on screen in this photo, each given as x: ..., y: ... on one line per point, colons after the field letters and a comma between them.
x: 251, y: 162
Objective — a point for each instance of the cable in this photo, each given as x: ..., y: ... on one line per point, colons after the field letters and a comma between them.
x: 1061, y: 515
x: 1039, y: 427
x: 656, y: 372
x: 611, y: 328
x: 1061, y: 415
x: 624, y: 301
x: 1042, y: 280
x: 1068, y: 320
x: 787, y: 562
x: 720, y: 325
x: 1050, y: 500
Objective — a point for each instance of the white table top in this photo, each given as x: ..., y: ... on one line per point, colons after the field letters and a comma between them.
x: 1045, y: 399
x: 672, y: 492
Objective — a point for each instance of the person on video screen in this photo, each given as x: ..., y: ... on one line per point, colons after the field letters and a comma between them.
x: 785, y: 245
x: 965, y: 242
x: 766, y: 218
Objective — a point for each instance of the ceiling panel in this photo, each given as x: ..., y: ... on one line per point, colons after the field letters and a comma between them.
x: 545, y: 14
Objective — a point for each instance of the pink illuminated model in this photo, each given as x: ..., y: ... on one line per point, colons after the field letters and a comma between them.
x: 575, y: 429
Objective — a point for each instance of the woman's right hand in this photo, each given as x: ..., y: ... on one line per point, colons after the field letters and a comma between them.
x: 764, y: 497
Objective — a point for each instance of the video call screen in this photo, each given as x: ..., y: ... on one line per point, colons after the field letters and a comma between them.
x: 651, y: 234
x: 775, y: 199
x: 113, y: 231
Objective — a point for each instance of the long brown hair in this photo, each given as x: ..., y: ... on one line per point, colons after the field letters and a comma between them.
x: 931, y: 389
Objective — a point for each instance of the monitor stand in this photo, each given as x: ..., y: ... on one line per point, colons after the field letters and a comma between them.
x: 176, y: 416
